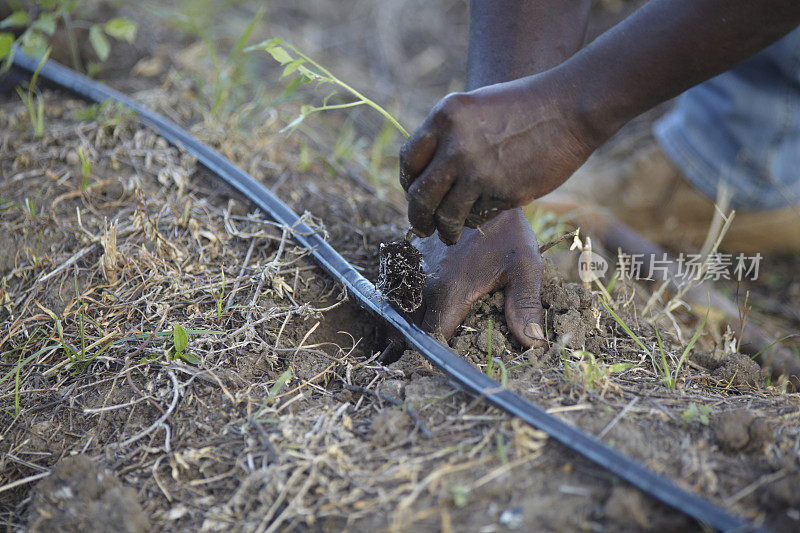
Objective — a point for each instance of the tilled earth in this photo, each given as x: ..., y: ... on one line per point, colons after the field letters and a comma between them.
x: 276, y: 415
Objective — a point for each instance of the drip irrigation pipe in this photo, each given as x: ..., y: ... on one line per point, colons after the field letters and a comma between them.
x: 472, y: 379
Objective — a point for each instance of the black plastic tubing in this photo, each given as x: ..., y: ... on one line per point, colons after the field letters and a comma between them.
x: 365, y: 293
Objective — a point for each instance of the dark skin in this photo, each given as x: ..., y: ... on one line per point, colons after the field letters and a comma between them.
x: 521, y: 39
x: 534, y: 111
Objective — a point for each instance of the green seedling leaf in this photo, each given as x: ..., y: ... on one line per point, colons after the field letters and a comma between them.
x: 6, y: 41
x: 292, y: 67
x: 280, y: 55
x: 33, y: 42
x: 625, y: 327
x: 99, y: 42
x: 180, y: 339
x: 245, y: 36
x: 620, y: 367
x: 696, y: 414
x: 45, y: 24
x: 189, y: 358
x: 86, y: 168
x: 460, y: 495
x: 121, y: 28
x: 17, y: 19
x: 265, y: 45
x: 273, y: 391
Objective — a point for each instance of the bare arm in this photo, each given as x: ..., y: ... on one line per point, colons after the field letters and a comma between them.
x: 666, y: 47
x: 501, y: 146
x: 508, y: 39
x: 514, y: 39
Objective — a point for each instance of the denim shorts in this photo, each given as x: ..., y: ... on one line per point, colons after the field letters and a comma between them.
x: 742, y: 128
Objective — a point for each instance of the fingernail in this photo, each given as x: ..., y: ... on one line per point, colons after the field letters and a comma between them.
x: 534, y: 331
x: 418, y: 233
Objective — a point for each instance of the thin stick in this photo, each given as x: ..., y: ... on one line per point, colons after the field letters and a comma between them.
x: 543, y: 248
x: 24, y: 481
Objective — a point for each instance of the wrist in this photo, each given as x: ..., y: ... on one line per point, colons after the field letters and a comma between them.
x: 598, y: 107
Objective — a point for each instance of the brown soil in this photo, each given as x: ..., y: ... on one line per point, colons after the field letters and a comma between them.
x: 129, y: 437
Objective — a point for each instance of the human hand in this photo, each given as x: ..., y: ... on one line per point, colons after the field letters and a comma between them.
x: 489, y: 150
x: 503, y: 253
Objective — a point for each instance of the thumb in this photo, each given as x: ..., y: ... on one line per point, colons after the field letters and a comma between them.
x: 524, y: 314
x: 446, y: 308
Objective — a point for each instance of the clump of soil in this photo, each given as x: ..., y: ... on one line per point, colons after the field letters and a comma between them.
x: 741, y: 430
x: 485, y: 328
x: 734, y: 370
x: 79, y: 496
x: 400, y: 275
x: 571, y: 319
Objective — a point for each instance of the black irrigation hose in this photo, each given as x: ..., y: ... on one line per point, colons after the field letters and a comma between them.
x: 445, y: 359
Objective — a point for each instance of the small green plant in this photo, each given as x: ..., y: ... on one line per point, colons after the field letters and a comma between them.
x: 118, y: 28
x: 460, y: 494
x: 221, y: 295
x: 306, y: 70
x: 86, y: 168
x: 584, y: 367
x: 229, y: 72
x: 33, y: 99
x: 280, y: 382
x: 180, y: 343
x: 695, y: 414
x: 668, y: 377
x: 36, y: 33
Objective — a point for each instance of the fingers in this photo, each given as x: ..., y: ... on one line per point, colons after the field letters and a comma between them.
x: 523, y: 303
x: 453, y: 211
x: 416, y: 153
x: 484, y: 210
x: 425, y: 195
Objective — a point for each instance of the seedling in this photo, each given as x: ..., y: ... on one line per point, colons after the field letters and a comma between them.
x: 696, y: 414
x: 118, y: 28
x: 221, y: 295
x: 30, y: 208
x: 460, y: 494
x: 306, y: 70
x: 33, y: 100
x: 588, y: 370
x: 180, y: 343
x: 280, y: 382
x: 668, y: 377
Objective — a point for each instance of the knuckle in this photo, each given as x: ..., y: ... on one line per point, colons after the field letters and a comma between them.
x: 450, y: 106
x: 405, y: 154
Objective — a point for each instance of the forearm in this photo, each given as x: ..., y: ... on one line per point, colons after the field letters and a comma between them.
x: 510, y: 39
x: 665, y: 48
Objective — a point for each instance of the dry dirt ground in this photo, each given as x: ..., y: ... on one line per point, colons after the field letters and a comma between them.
x: 276, y: 416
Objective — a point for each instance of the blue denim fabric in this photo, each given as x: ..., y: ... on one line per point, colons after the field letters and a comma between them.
x: 742, y: 127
